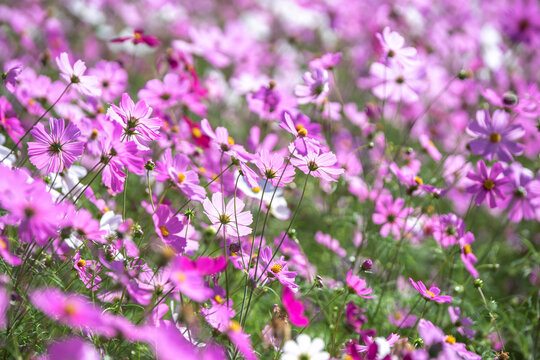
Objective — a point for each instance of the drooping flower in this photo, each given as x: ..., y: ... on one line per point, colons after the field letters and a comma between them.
x: 85, y: 84
x: 391, y: 215
x: 495, y: 136
x: 431, y: 294
x: 225, y: 216
x: 304, y: 348
x: 467, y: 255
x: 136, y: 120
x: 315, y: 88
x: 295, y: 308
x: 56, y: 150
x: 358, y: 286
x: 487, y: 184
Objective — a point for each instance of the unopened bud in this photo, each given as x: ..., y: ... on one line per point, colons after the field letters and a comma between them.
x: 465, y: 74
x: 510, y: 98
x: 478, y: 283
x: 150, y: 165
x: 367, y: 265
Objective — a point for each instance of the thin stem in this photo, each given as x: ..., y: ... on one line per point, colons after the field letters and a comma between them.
x: 338, y: 322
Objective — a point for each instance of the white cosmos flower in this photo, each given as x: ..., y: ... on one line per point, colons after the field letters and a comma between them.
x: 304, y: 349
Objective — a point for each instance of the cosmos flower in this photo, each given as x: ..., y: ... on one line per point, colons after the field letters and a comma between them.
x: 495, y: 136
x: 393, y: 46
x: 56, y: 150
x: 74, y: 75
x: 524, y: 193
x: 9, y: 122
x: 225, y: 217
x: 358, y: 285
x: 111, y: 79
x: 169, y: 228
x: 391, y: 215
x: 315, y: 88
x: 487, y: 184
x: 274, y: 168
x: 304, y: 348
x: 396, y: 82
x: 320, y: 165
x: 431, y: 294
x: 294, y: 308
x: 467, y: 255
x: 275, y: 269
x: 139, y: 37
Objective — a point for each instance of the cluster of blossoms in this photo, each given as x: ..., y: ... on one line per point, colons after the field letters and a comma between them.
x: 208, y: 180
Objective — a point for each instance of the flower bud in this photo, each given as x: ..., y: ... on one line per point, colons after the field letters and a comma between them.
x: 367, y: 265
x: 510, y: 98
x: 150, y: 165
x: 478, y: 283
x: 465, y: 74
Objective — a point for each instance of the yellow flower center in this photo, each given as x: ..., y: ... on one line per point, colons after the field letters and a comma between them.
x: 235, y: 326
x: 3, y: 245
x: 430, y: 293
x: 256, y: 190
x: 467, y: 249
x: 137, y: 35
x: 197, y: 133
x: 489, y: 184
x: 302, y: 132
x: 219, y: 299
x: 202, y: 169
x: 276, y: 268
x: 450, y: 339
x: 495, y: 137
x: 180, y: 277
x: 70, y: 309
x: 164, y: 231
x: 181, y: 178
x: 81, y: 263
x: 94, y: 134
x: 418, y: 180
x: 106, y: 209
x: 231, y: 141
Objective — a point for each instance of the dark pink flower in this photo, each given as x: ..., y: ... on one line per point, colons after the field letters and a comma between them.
x: 169, y: 228
x: 295, y: 308
x: 275, y: 269
x: 56, y: 150
x: 431, y: 294
x: 9, y: 121
x: 139, y: 37
x: 467, y: 255
x: 358, y: 285
x: 487, y: 184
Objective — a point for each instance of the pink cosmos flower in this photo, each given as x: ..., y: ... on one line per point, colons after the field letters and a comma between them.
x: 402, y: 318
x: 487, y: 184
x: 495, y: 136
x: 327, y: 61
x: 136, y: 121
x: 85, y: 84
x: 273, y: 168
x: 396, y: 82
x: 431, y: 294
x: 225, y: 217
x: 10, y: 77
x: 429, y: 147
x: 391, y: 215
x: 111, y: 78
x: 467, y: 255
x: 315, y: 88
x: 393, y: 45
x: 321, y: 165
x: 275, y: 269
x: 88, y: 271
x: 302, y: 142
x: 355, y: 316
x: 176, y: 170
x: 358, y: 285
x: 448, y: 347
x: 463, y: 323
x: 166, y: 93
x: 188, y: 280
x: 449, y: 229
x: 56, y: 150
x: 8, y: 257
x: 294, y: 308
x: 8, y: 120
x: 71, y: 348
x: 169, y: 228
x: 524, y: 192
x: 139, y: 37
x: 330, y: 243
x: 241, y: 340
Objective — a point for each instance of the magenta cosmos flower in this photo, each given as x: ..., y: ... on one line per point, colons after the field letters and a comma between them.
x: 169, y: 228
x: 302, y: 142
x: 524, y: 191
x: 431, y: 294
x: 139, y: 37
x: 391, y: 215
x: 136, y: 121
x: 358, y: 285
x: 495, y: 136
x: 319, y: 165
x: 55, y: 150
x: 487, y: 184
x: 176, y: 170
x: 225, y: 217
x: 441, y: 346
x: 274, y: 169
x: 467, y: 255
x: 275, y: 269
x: 85, y: 84
x: 294, y: 308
